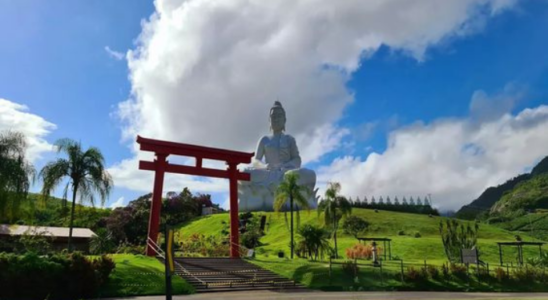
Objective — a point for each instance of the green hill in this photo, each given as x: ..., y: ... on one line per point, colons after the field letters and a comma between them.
x: 527, y: 195
x: 486, y: 201
x: 488, y: 198
x: 532, y: 224
x: 52, y: 212
x: 383, y: 224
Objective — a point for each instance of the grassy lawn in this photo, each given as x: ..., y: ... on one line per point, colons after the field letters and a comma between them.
x: 412, y: 250
x: 316, y: 275
x: 140, y: 275
x: 533, y: 224
x: 383, y: 224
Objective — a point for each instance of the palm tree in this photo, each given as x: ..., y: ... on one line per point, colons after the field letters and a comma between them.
x: 16, y: 174
x: 102, y: 242
x: 334, y: 207
x: 290, y: 190
x: 314, y: 241
x: 85, y: 171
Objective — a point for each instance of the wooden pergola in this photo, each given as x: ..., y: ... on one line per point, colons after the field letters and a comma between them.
x: 160, y: 166
x: 519, y: 245
x: 383, y: 240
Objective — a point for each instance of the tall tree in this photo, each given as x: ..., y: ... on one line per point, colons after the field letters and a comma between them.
x: 85, y: 172
x: 290, y: 190
x: 16, y: 174
x: 334, y: 207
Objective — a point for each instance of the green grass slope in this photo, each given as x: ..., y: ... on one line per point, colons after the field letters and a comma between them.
x: 489, y: 197
x: 530, y: 194
x: 533, y: 224
x: 37, y: 211
x: 520, y: 192
x: 383, y: 224
x: 138, y: 275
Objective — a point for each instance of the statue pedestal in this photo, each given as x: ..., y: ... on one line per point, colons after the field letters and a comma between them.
x: 259, y: 193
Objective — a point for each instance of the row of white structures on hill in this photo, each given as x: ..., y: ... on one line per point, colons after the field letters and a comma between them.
x: 388, y: 201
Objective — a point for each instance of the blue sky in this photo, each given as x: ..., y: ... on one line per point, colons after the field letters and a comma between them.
x: 510, y: 49
x: 53, y: 60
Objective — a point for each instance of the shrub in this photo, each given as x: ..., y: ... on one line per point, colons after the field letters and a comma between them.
x: 360, y: 251
x: 445, y: 270
x: 527, y: 274
x: 313, y: 241
x: 459, y: 271
x: 351, y: 268
x: 413, y: 274
x: 500, y: 274
x: 250, y: 238
x: 456, y: 236
x: 32, y: 241
x: 541, y: 261
x: 59, y: 276
x: 127, y: 248
x: 433, y: 271
x: 401, y: 232
x: 483, y: 272
x: 300, y: 249
x: 417, y: 234
x: 200, y: 245
x: 104, y: 266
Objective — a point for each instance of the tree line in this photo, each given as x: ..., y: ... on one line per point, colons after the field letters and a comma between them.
x: 82, y: 175
x: 417, y: 207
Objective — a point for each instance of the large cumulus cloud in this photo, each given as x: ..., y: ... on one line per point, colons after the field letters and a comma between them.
x: 16, y: 117
x: 207, y: 71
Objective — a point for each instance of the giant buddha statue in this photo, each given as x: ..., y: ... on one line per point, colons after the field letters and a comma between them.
x: 281, y: 155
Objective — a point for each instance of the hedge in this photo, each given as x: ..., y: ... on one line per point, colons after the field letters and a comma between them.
x: 58, y: 276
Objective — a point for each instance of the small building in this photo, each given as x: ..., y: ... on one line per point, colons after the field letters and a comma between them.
x: 210, y: 210
x: 58, y: 235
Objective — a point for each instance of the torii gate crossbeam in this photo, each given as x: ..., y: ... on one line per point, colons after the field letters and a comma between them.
x: 160, y: 166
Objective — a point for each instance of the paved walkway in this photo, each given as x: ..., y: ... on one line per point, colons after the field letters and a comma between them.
x: 315, y: 295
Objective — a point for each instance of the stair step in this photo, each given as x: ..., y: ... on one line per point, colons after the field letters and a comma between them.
x: 218, y: 273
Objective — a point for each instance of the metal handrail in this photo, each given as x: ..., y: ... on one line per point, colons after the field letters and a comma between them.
x: 156, y: 248
x: 161, y: 253
x: 186, y: 272
x: 242, y: 249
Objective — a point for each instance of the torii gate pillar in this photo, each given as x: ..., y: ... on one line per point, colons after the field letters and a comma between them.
x: 160, y: 165
x: 234, y: 219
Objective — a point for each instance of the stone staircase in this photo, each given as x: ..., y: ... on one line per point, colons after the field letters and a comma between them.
x: 225, y: 274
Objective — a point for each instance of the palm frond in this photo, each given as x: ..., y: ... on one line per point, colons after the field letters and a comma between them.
x: 16, y: 174
x: 84, y: 170
x: 52, y: 174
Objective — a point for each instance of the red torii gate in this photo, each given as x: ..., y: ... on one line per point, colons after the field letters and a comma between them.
x: 160, y: 165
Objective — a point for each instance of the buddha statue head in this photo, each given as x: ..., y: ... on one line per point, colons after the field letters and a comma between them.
x: 277, y: 118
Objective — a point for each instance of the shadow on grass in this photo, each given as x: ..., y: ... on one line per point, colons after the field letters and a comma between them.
x: 316, y: 275
x: 131, y: 280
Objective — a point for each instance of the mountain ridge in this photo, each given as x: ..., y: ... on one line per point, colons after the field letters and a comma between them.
x: 485, y: 202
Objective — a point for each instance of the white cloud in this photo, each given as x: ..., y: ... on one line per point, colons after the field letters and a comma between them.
x: 453, y: 159
x: 15, y: 117
x: 118, y: 203
x: 115, y: 54
x: 484, y: 107
x: 225, y: 204
x: 206, y: 72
